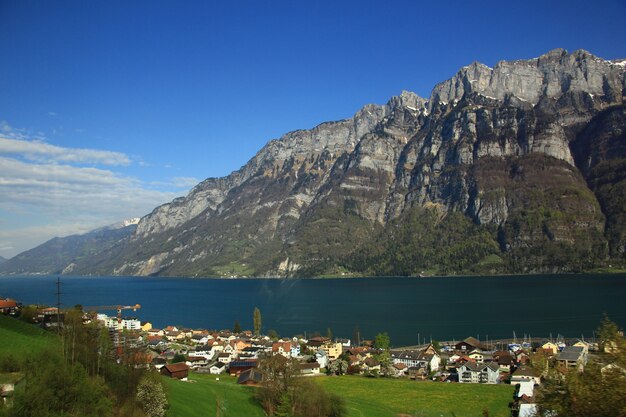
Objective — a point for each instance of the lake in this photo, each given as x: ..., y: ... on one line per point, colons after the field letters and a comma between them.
x: 443, y: 308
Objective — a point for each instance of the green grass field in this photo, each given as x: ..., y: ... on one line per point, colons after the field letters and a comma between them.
x: 381, y: 397
x: 200, y: 397
x: 20, y: 339
x: 365, y: 397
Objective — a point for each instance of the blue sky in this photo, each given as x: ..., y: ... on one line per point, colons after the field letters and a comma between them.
x: 108, y: 109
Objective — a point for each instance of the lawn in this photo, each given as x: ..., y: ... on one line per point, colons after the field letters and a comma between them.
x: 380, y: 397
x: 200, y: 396
x: 20, y: 339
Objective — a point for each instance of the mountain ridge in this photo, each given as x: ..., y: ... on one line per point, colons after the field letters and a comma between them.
x: 508, y: 162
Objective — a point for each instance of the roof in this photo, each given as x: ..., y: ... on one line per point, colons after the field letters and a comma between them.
x: 479, y: 367
x: 527, y: 410
x: 177, y: 367
x: 571, y: 353
x: 525, y: 371
x: 251, y: 375
x: 8, y: 303
x: 218, y: 365
x: 474, y: 342
x: 311, y: 365
x: 240, y: 364
x: 526, y: 388
x: 371, y: 362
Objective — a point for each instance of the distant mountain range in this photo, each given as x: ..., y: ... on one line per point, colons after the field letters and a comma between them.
x: 60, y: 254
x: 2, y: 259
x: 514, y: 169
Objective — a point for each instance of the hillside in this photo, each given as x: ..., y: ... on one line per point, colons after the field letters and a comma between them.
x: 59, y: 255
x: 519, y: 168
x: 18, y: 339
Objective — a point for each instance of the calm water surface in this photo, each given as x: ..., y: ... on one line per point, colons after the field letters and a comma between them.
x: 442, y: 308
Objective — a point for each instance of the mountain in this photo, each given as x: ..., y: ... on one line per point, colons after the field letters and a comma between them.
x: 60, y: 254
x: 2, y: 259
x: 513, y: 169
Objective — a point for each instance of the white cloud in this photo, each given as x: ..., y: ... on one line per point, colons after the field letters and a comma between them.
x: 45, y: 192
x: 38, y: 151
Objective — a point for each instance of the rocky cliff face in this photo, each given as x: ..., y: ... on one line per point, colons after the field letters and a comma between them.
x: 518, y: 151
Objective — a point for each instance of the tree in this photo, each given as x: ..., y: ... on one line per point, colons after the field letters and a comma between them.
x: 329, y: 333
x: 382, y: 342
x: 612, y: 340
x: 599, y: 390
x: 272, y: 334
x: 28, y: 313
x: 284, y: 393
x: 179, y: 358
x: 237, y: 327
x: 151, y: 395
x: 338, y: 367
x: 256, y: 317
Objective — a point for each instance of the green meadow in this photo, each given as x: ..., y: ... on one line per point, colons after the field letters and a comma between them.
x: 384, y: 397
x: 364, y: 397
x: 202, y: 394
x: 20, y: 339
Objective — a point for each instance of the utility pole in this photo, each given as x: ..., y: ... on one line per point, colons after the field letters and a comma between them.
x: 58, y: 305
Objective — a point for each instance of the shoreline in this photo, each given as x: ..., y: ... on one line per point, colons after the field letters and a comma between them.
x: 331, y: 277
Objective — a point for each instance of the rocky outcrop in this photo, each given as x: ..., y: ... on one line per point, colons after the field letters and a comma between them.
x: 511, y: 160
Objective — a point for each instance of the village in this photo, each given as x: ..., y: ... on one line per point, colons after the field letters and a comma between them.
x: 177, y: 351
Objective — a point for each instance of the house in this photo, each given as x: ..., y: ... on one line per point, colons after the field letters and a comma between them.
x: 309, y: 368
x: 158, y: 362
x: 146, y: 326
x: 8, y: 306
x: 406, y: 357
x: 525, y: 389
x: 504, y: 360
x: 7, y: 387
x: 235, y: 368
x: 550, y: 346
x: 479, y: 373
x: 196, y: 361
x: 176, y: 370
x: 370, y: 365
x: 400, y: 369
x: 418, y: 358
x: 469, y: 344
x: 322, y: 358
x: 345, y: 343
x: 525, y: 374
x: 224, y: 357
x: 572, y: 357
x: 281, y: 348
x: 415, y: 372
x: 249, y: 353
x: 251, y: 377
x: 584, y: 345
x: 156, y: 332
x: 172, y: 335
x: 477, y: 356
x: 217, y: 368
x: 333, y: 349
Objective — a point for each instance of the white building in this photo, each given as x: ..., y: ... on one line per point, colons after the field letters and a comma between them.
x: 126, y: 324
